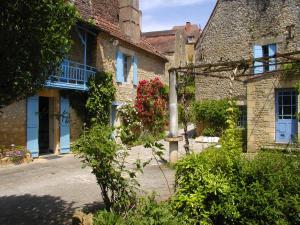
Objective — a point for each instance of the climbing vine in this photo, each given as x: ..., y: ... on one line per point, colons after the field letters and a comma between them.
x: 100, y: 98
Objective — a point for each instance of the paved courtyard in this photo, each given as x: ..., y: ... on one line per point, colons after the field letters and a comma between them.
x: 51, y: 188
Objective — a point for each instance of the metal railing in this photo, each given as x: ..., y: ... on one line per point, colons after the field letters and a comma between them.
x: 71, y: 75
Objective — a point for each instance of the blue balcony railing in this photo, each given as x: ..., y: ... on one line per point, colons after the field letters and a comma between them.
x: 71, y: 75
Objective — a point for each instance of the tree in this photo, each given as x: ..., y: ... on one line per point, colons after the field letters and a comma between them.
x: 34, y: 39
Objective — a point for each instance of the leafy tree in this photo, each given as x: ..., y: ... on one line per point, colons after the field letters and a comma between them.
x: 35, y: 36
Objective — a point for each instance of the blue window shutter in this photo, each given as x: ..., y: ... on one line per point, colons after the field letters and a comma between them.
x: 135, y: 70
x: 64, y: 125
x: 272, y: 52
x: 258, y: 53
x: 33, y: 125
x: 120, y: 67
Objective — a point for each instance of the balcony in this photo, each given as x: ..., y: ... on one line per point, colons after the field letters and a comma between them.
x: 71, y: 75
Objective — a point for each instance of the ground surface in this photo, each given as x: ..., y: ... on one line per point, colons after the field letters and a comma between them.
x: 50, y: 189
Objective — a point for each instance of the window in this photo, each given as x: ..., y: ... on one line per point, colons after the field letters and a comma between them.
x: 190, y: 39
x: 264, y: 51
x: 124, y: 63
x: 242, y: 122
x: 127, y: 66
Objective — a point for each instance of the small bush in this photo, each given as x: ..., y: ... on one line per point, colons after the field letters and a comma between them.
x: 213, y: 113
x: 209, y: 132
x: 218, y: 188
x: 146, y: 212
x: 99, y: 151
x: 15, y: 154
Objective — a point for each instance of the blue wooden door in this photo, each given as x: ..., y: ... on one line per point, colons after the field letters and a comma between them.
x: 33, y: 125
x: 286, y: 116
x: 64, y: 126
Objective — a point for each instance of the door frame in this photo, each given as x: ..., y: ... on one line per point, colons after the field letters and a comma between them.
x: 277, y: 91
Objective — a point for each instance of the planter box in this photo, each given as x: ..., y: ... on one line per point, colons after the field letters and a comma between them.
x: 203, y: 139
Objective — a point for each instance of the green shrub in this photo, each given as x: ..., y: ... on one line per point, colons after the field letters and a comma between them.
x: 220, y: 188
x: 146, y: 212
x: 132, y: 132
x: 209, y: 132
x: 99, y: 151
x: 213, y: 113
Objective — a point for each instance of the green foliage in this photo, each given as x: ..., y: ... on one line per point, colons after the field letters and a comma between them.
x: 209, y: 132
x: 35, y: 39
x: 221, y: 187
x: 131, y: 128
x: 99, y: 151
x: 101, y: 95
x: 132, y: 132
x: 213, y: 113
x: 146, y: 212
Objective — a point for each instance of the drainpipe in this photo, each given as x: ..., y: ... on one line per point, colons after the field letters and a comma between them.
x: 173, y: 137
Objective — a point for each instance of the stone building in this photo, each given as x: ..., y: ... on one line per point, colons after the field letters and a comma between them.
x: 108, y: 38
x: 249, y: 29
x: 176, y: 44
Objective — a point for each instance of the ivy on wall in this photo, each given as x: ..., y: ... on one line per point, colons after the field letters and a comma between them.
x: 100, y: 98
x: 94, y: 106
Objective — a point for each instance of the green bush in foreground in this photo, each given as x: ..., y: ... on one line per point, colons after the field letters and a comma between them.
x: 146, y: 212
x: 216, y: 189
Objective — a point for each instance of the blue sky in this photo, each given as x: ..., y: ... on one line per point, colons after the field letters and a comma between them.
x: 164, y: 14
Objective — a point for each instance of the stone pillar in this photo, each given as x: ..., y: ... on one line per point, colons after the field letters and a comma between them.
x: 173, y: 105
x: 173, y: 137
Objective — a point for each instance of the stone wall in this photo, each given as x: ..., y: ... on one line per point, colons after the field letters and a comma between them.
x: 234, y: 28
x: 261, y: 108
x: 149, y: 66
x: 13, y: 124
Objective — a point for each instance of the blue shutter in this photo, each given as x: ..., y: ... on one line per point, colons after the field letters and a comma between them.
x: 135, y: 70
x: 272, y: 52
x: 258, y: 53
x: 120, y: 67
x: 64, y: 126
x: 33, y: 125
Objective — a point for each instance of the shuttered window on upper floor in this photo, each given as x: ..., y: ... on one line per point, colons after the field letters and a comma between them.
x: 264, y: 51
x: 125, y: 65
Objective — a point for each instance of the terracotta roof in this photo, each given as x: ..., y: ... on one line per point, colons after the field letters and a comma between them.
x: 159, y: 33
x: 166, y: 44
x: 116, y: 32
x: 84, y: 7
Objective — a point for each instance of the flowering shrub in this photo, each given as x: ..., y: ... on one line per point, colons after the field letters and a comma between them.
x: 15, y: 154
x: 131, y: 128
x: 151, y: 104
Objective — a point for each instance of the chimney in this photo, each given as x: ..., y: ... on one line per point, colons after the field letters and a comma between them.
x: 129, y: 19
x: 188, y: 26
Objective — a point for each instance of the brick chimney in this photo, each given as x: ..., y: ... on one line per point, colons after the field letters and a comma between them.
x: 130, y: 18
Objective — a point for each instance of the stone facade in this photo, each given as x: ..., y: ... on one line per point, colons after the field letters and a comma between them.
x: 149, y: 66
x: 176, y: 44
x: 234, y: 28
x: 13, y: 124
x: 261, y: 108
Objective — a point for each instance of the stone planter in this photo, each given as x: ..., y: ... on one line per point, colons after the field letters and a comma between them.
x: 6, y: 161
x: 80, y: 218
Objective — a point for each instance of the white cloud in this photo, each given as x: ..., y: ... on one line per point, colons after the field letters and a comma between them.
x: 151, y: 4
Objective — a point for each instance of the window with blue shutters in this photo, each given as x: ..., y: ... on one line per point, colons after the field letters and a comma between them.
x: 120, y: 67
x: 127, y: 68
x: 265, y: 51
x: 135, y: 80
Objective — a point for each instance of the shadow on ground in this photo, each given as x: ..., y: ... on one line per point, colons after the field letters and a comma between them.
x: 35, y: 210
